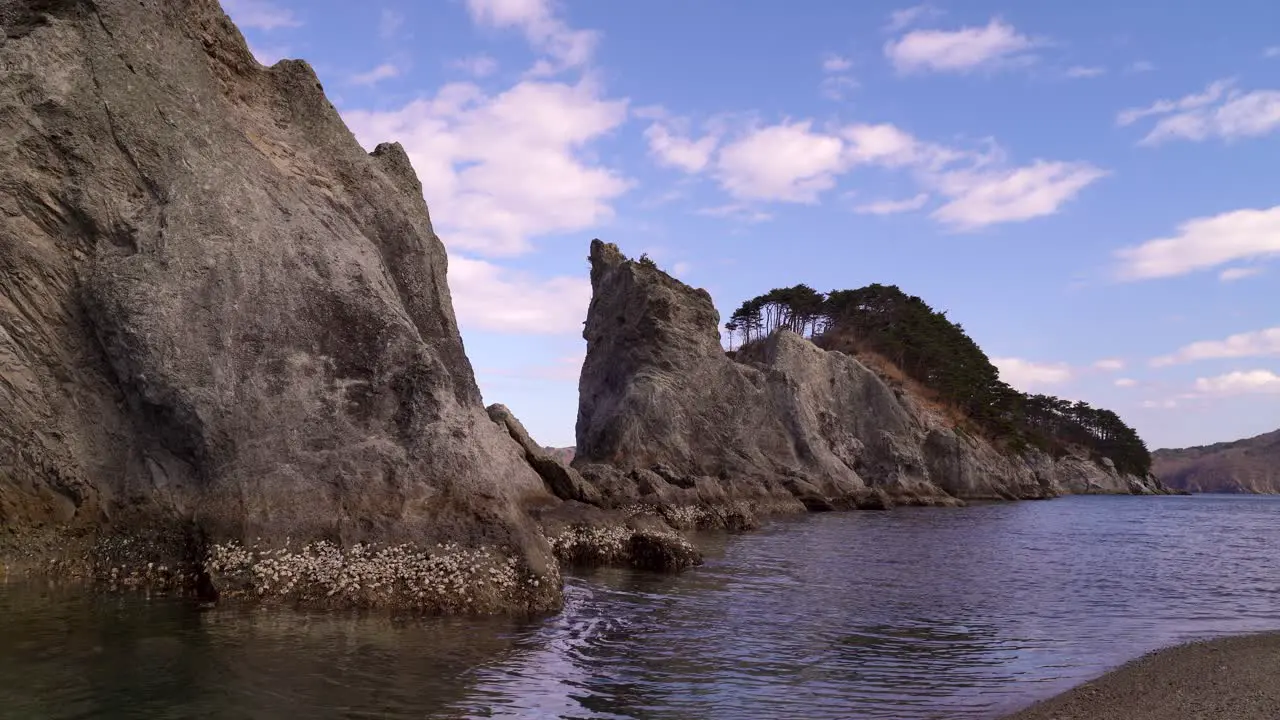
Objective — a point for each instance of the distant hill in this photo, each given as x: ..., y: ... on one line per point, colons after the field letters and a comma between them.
x: 1242, y: 466
x: 564, y: 454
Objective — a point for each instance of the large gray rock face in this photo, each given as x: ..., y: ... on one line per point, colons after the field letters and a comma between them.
x: 657, y: 392
x: 217, y: 310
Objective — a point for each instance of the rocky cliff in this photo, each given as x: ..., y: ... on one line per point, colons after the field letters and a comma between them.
x: 664, y: 413
x: 227, y: 346
x: 1243, y: 466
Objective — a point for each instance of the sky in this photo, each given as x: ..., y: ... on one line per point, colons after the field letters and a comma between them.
x: 1091, y: 189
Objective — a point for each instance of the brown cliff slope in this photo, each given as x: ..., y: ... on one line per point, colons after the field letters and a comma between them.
x: 218, y: 314
x: 1251, y: 465
x: 662, y: 404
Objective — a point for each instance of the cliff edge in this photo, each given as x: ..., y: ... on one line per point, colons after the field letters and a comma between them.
x: 664, y: 413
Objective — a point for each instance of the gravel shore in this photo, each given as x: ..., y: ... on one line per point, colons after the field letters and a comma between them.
x: 1231, y: 678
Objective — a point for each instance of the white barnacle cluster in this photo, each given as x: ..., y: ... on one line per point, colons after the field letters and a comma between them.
x: 592, y: 545
x: 686, y: 517
x: 635, y: 509
x: 448, y: 577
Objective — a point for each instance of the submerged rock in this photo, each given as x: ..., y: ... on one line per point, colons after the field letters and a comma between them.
x: 218, y: 313
x: 785, y: 423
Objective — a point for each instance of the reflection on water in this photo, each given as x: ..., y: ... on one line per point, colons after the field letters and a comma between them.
x: 922, y: 613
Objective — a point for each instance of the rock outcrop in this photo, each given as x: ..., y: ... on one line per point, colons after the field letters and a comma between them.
x: 222, y: 322
x: 1251, y: 465
x: 665, y: 416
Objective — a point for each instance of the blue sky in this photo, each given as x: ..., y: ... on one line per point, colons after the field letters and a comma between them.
x: 1091, y: 189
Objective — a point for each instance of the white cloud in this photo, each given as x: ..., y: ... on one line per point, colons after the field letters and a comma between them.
x: 564, y: 47
x: 1027, y: 376
x: 1125, y: 382
x: 269, y: 55
x: 788, y: 162
x: 1238, y: 273
x: 794, y: 162
x: 1221, y: 110
x: 1140, y: 66
x: 1110, y: 364
x: 891, y: 207
x: 1086, y: 71
x: 477, y: 65
x: 489, y: 297
x: 390, y: 23
x: 498, y: 170
x: 986, y: 197
x: 1211, y: 94
x: 838, y: 81
x: 736, y: 211
x: 260, y: 15
x: 836, y: 86
x: 906, y: 17
x: 886, y: 145
x: 1160, y: 404
x: 959, y: 51
x: 1246, y: 382
x: 670, y: 148
x: 836, y: 64
x: 385, y: 71
x: 1260, y: 343
x: 1203, y: 243
x: 1271, y: 52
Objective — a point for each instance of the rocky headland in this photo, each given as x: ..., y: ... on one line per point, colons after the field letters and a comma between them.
x: 229, y: 360
x: 667, y: 418
x: 1251, y: 465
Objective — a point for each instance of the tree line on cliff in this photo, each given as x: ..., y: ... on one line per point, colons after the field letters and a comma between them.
x: 939, y: 355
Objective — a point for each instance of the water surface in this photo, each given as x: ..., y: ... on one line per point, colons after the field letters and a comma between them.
x: 917, y: 613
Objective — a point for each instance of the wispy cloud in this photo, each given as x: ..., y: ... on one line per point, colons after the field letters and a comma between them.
x: 1085, y: 71
x: 892, y: 207
x: 477, y: 65
x: 836, y: 63
x: 1260, y: 343
x: 796, y: 161
x: 1241, y: 382
x: 390, y: 23
x: 1203, y: 243
x: 1240, y: 273
x: 385, y: 71
x: 260, y: 14
x: 906, y: 17
x: 1029, y: 376
x: 994, y: 45
x: 1220, y: 111
x: 564, y: 47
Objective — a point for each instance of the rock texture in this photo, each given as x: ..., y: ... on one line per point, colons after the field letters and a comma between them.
x: 1243, y: 466
x: 665, y: 416
x: 218, y: 314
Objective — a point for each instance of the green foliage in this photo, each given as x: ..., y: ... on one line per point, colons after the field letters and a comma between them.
x: 646, y: 261
x: 938, y: 354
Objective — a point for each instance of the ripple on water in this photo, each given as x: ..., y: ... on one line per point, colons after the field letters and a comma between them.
x: 914, y: 614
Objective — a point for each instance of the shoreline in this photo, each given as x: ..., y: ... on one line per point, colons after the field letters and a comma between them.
x: 1227, y: 678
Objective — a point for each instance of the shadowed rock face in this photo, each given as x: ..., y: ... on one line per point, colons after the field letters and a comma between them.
x: 658, y: 393
x: 216, y: 310
x: 1251, y: 465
